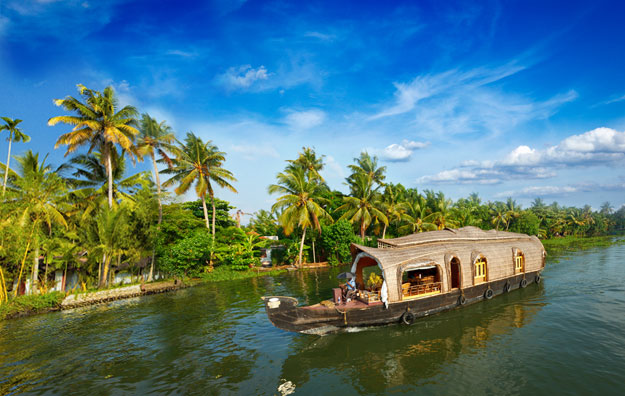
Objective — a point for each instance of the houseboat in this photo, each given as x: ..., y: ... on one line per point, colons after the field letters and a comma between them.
x: 418, y: 275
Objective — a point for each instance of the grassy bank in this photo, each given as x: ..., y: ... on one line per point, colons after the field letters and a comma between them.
x: 27, y: 305
x: 221, y: 274
x: 568, y: 243
x: 40, y: 303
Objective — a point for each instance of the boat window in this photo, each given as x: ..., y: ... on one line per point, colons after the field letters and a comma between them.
x: 519, y: 262
x: 421, y: 282
x: 480, y: 270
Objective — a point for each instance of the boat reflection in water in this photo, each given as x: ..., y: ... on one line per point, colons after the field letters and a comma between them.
x: 379, y: 359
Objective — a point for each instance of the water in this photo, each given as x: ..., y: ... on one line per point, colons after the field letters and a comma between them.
x: 564, y: 336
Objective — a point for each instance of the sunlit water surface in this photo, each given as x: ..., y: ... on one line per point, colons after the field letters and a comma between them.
x: 564, y: 336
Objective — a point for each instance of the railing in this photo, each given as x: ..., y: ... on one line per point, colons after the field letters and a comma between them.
x: 417, y: 290
x: 383, y: 245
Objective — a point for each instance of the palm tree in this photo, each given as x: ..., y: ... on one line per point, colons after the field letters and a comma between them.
x: 390, y: 205
x: 367, y: 165
x: 442, y: 212
x: 300, y: 203
x: 155, y: 138
x: 363, y: 206
x: 200, y: 163
x: 98, y: 124
x: 606, y: 208
x: 499, y: 215
x: 39, y: 200
x: 513, y: 211
x: 416, y: 217
x: 15, y: 135
x: 308, y: 161
x: 111, y: 232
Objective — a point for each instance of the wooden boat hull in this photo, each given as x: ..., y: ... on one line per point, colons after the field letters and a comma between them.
x: 284, y: 313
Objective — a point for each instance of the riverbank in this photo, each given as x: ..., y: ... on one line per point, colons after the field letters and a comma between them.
x: 22, y: 306
x: 563, y: 244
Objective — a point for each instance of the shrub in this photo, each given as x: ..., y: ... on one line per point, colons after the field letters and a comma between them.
x: 335, y: 241
x: 189, y: 256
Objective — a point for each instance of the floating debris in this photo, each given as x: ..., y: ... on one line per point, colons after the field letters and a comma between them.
x: 286, y: 388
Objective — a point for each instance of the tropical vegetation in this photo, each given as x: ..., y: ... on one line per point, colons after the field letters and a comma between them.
x: 92, y: 219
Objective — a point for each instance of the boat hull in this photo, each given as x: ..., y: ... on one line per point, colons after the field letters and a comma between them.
x: 284, y: 313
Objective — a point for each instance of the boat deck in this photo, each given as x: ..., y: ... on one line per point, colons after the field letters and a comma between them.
x: 353, y: 304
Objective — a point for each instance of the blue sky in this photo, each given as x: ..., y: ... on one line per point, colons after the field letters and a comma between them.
x: 522, y: 99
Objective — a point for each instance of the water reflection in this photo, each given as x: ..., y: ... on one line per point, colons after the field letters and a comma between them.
x: 381, y: 358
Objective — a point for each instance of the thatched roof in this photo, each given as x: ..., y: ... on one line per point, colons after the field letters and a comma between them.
x: 449, y: 235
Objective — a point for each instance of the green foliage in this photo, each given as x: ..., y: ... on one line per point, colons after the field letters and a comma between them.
x: 335, y: 242
x: 188, y: 256
x: 178, y: 222
x: 238, y: 249
x: 264, y: 223
x: 526, y: 223
x: 222, y: 208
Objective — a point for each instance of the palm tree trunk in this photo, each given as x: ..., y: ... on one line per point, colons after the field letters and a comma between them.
x: 19, y: 277
x: 362, y: 230
x: 4, y: 286
x: 313, y: 249
x: 160, y: 216
x: 213, y: 205
x: 105, y: 273
x: 158, y: 190
x: 213, y: 240
x: 205, y: 212
x: 35, y: 271
x: 6, y: 170
x: 109, y: 170
x: 301, y: 248
x: 384, y: 231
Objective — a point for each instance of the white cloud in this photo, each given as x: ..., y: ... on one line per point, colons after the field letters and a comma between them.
x: 255, y: 152
x: 300, y: 120
x: 320, y: 36
x: 242, y: 77
x: 400, y: 152
x: 538, y: 191
x: 64, y: 19
x: 455, y: 102
x: 556, y: 191
x: 600, y: 146
x: 610, y: 101
x: 332, y: 169
x: 181, y: 53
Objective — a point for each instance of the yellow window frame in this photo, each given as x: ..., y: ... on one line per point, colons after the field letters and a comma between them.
x: 480, y: 269
x: 519, y: 262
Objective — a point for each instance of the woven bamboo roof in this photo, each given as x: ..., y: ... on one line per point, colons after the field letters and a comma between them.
x: 449, y: 235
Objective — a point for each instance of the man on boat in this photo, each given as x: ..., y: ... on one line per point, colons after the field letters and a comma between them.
x: 349, y: 289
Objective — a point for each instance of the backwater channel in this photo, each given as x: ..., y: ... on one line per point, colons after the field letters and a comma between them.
x: 563, y: 336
